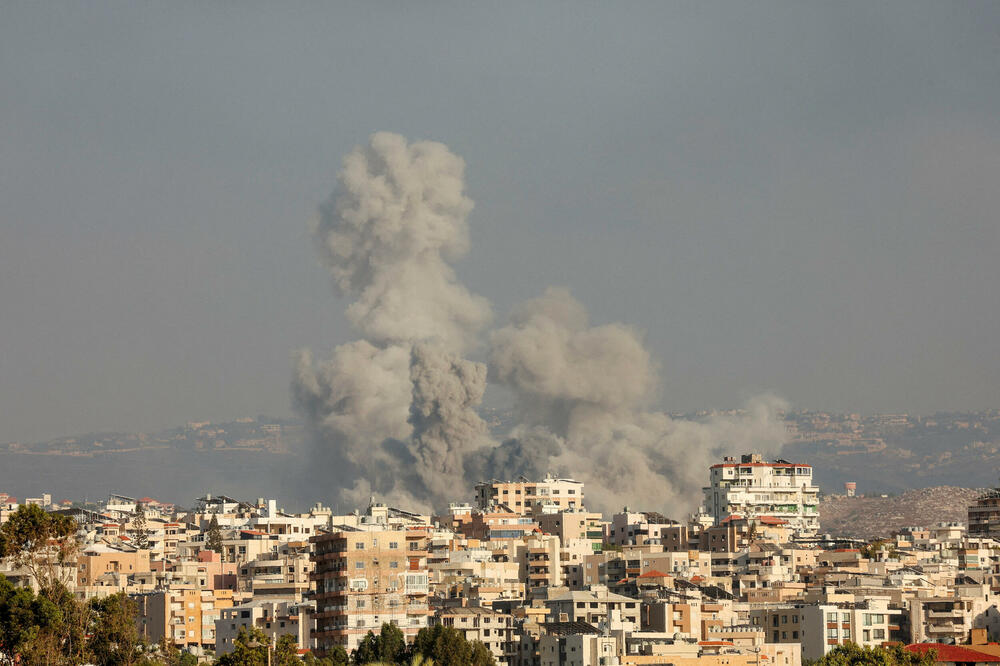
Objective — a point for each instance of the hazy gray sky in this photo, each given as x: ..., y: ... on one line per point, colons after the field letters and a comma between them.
x: 795, y: 197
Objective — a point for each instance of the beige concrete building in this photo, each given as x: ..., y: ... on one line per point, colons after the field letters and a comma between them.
x: 102, y: 570
x: 362, y: 580
x: 522, y: 496
x: 495, y: 630
x: 184, y: 615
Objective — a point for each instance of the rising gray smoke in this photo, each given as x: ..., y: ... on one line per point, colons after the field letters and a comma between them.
x: 591, y: 387
x: 529, y: 453
x: 390, y: 413
x: 395, y: 414
x: 446, y: 425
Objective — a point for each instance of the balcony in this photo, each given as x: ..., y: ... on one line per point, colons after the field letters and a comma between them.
x: 954, y: 613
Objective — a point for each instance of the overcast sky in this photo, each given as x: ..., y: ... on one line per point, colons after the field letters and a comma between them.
x: 795, y: 197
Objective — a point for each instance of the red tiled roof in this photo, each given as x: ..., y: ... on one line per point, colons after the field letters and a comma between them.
x: 653, y: 573
x: 773, y: 520
x: 952, y: 653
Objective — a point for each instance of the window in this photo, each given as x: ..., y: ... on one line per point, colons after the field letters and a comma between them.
x: 847, y: 633
x: 831, y: 617
x: 393, y: 545
x: 845, y: 617
x: 866, y: 635
x: 784, y: 619
x: 795, y: 619
x: 831, y: 632
x: 878, y: 634
x: 795, y: 635
x: 775, y: 637
x: 359, y: 565
x: 359, y: 545
x: 784, y: 635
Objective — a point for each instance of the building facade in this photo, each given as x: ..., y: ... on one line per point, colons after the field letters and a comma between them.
x: 752, y: 489
x: 523, y: 496
x: 362, y: 580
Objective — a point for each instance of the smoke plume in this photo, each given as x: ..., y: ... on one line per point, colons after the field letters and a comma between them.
x: 396, y: 413
x: 393, y: 412
x: 590, y: 386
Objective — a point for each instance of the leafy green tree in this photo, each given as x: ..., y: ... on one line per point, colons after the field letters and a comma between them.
x: 43, y: 543
x: 40, y: 629
x: 213, y: 537
x: 245, y: 655
x: 446, y: 646
x: 388, y: 647
x: 481, y: 655
x: 286, y: 652
x: 852, y: 654
x: 335, y: 657
x: 367, y: 650
x: 114, y: 637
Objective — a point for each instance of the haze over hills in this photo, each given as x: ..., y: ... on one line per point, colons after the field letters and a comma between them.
x: 264, y: 455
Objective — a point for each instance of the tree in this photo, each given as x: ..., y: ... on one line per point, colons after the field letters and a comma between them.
x: 852, y: 654
x: 213, y: 537
x: 139, y: 527
x: 40, y: 629
x: 389, y: 647
x: 43, y: 543
x: 286, y: 652
x: 243, y: 654
x: 114, y: 637
x: 448, y: 647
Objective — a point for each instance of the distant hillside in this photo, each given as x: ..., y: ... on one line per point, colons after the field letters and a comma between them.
x: 867, y: 517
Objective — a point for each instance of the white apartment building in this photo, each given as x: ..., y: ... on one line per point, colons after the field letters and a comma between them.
x: 819, y: 628
x: 753, y: 488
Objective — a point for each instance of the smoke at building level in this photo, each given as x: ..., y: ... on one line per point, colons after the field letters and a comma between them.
x: 395, y: 414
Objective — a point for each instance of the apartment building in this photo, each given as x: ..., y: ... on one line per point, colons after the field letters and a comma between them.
x: 495, y: 630
x: 593, y: 606
x: 185, y: 615
x: 752, y: 489
x: 945, y: 619
x: 984, y: 515
x: 362, y: 580
x: 523, y: 496
x: 276, y: 618
x: 103, y: 570
x: 821, y: 627
x: 637, y: 528
x: 281, y: 572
